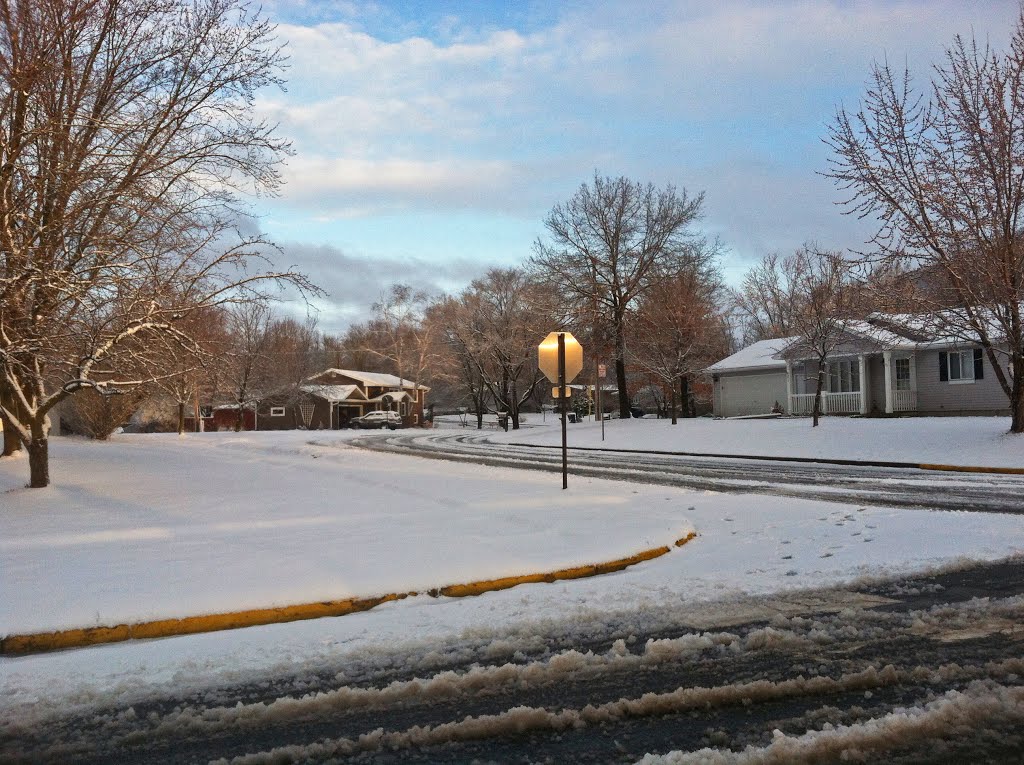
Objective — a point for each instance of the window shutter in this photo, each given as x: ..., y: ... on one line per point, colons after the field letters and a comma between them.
x: 979, y: 365
x: 943, y: 367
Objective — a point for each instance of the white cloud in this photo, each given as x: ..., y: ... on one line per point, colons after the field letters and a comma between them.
x: 731, y: 97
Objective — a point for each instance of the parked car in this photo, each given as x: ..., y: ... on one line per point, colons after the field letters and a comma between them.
x: 389, y: 420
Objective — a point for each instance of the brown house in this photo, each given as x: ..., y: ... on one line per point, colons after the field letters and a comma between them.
x: 332, y: 398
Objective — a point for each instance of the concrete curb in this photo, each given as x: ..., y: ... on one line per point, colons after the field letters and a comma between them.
x: 44, y: 642
x: 767, y: 458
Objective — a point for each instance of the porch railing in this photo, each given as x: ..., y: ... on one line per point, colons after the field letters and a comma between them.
x: 848, y: 403
x: 831, y: 403
x: 904, y: 400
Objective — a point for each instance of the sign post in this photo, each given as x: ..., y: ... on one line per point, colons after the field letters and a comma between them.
x: 602, y: 370
x: 560, y: 358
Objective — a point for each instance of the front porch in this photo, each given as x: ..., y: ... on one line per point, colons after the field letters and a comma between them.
x: 867, y: 383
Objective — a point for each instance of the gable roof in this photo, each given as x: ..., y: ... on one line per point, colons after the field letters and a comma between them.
x: 376, y: 379
x: 335, y: 392
x: 760, y: 355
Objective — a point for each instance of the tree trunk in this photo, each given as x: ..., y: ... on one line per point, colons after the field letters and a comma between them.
x: 686, y: 399
x: 620, y: 380
x: 817, y: 396
x: 181, y: 418
x: 673, y: 389
x: 514, y: 405
x: 39, y: 462
x: 1017, y: 400
x: 12, y: 443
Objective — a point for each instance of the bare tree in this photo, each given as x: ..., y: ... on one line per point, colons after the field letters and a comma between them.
x: 942, y: 170
x: 821, y: 287
x: 246, y: 359
x: 97, y: 413
x: 127, y: 139
x: 609, y: 243
x: 494, y: 327
x: 679, y: 330
x: 765, y: 304
x: 399, y: 334
x: 296, y: 352
x: 190, y: 368
x: 460, y: 348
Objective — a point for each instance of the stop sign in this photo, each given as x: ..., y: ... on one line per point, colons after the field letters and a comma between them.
x: 547, y: 357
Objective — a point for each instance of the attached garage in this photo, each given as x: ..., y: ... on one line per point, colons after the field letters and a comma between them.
x: 751, y: 381
x: 751, y: 393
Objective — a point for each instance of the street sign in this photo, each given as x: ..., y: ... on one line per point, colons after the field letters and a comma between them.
x: 554, y: 392
x: 547, y: 357
x: 602, y: 371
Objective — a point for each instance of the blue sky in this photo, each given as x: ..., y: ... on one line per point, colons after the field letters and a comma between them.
x: 431, y: 138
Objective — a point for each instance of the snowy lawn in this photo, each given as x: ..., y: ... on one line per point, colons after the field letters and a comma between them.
x: 982, y: 441
x: 150, y: 526
x: 157, y: 526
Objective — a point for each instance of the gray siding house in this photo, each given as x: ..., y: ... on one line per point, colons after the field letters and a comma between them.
x: 874, y: 371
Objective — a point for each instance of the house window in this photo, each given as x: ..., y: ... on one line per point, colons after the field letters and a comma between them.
x: 844, y: 376
x: 277, y: 411
x: 902, y: 374
x: 961, y: 366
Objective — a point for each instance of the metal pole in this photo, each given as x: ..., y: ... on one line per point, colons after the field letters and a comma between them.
x: 561, y: 400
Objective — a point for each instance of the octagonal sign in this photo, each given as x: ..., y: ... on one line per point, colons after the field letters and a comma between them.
x: 547, y: 357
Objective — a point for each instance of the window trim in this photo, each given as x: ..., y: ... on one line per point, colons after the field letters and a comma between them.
x: 277, y: 411
x: 903, y: 361
x: 967, y: 354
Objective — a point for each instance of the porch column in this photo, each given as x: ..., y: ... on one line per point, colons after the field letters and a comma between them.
x: 887, y: 358
x: 862, y: 364
x: 789, y: 387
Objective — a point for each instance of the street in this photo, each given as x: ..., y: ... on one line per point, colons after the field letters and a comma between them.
x: 894, y: 487
x: 843, y: 662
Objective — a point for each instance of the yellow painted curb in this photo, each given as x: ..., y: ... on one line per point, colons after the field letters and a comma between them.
x: 973, y: 469
x: 577, y: 572
x: 20, y: 645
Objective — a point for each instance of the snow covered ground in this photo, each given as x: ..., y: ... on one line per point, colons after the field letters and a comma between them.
x: 983, y: 441
x: 152, y: 526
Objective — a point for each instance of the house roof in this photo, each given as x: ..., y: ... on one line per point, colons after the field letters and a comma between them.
x: 376, y: 379
x: 391, y: 396
x: 335, y: 392
x: 760, y: 355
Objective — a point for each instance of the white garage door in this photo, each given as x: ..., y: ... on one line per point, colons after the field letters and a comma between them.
x: 752, y: 393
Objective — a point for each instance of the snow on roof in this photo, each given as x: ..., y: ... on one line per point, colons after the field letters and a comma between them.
x: 392, y: 396
x: 884, y: 336
x: 374, y: 378
x: 760, y: 355
x: 950, y: 327
x: 334, y: 392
